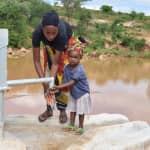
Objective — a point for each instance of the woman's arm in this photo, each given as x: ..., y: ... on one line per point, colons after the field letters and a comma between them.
x: 38, y: 66
x: 55, y: 63
x: 37, y: 62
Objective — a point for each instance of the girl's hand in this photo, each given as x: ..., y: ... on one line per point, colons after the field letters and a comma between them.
x: 54, y: 88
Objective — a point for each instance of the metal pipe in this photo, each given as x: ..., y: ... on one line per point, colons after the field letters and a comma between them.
x: 2, y: 46
x: 3, y: 73
x: 27, y: 81
x: 31, y: 81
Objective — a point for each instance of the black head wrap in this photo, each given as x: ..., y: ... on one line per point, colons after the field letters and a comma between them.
x: 50, y: 18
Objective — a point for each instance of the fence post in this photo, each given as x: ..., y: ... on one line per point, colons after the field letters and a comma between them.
x: 3, y: 74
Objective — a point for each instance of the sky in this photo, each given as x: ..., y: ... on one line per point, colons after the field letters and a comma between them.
x: 119, y: 5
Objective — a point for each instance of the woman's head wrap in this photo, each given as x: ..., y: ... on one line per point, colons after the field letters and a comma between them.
x: 50, y: 18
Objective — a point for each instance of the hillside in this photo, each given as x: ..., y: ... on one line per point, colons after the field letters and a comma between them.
x: 107, y: 32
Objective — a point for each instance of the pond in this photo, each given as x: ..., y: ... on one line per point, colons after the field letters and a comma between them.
x: 118, y: 85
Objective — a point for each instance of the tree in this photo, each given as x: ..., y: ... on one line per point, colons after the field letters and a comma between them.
x: 38, y: 8
x: 106, y: 9
x: 14, y: 16
x: 141, y: 16
x: 17, y: 16
x: 70, y: 6
x: 83, y: 17
x: 133, y: 15
x: 117, y: 30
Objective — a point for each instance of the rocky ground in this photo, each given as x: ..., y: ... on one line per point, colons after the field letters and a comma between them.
x: 102, y: 132
x: 16, y: 53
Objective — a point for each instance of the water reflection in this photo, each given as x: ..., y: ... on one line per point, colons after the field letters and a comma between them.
x: 148, y: 89
x: 118, y: 85
x: 128, y: 70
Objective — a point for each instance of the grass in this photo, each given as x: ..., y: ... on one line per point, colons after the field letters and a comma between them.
x: 119, y: 52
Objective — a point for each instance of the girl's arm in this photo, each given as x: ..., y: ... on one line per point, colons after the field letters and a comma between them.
x: 65, y: 85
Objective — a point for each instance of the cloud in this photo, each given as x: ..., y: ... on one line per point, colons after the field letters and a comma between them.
x: 118, y: 5
x: 143, y: 1
x: 49, y: 1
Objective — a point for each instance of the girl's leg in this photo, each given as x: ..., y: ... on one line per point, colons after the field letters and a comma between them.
x: 72, y: 118
x: 81, y: 121
x: 80, y: 130
x: 71, y: 126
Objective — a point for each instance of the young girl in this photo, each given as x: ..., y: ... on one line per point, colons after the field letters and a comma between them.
x: 75, y: 79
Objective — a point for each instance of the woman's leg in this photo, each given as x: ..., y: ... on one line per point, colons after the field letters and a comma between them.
x: 61, y: 101
x: 61, y: 106
x: 46, y: 114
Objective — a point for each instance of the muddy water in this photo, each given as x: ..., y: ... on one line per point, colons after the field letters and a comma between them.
x: 118, y: 85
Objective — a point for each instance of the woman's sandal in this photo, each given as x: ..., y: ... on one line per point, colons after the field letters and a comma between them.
x: 79, y: 131
x: 70, y: 128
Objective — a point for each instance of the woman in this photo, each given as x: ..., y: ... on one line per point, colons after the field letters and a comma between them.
x: 56, y: 36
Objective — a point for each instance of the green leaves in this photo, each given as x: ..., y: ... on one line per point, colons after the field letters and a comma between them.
x: 17, y: 16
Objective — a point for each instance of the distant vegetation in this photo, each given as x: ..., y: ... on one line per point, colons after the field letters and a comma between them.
x: 106, y: 30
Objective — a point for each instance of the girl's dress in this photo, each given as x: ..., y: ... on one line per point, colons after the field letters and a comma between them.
x: 79, y: 101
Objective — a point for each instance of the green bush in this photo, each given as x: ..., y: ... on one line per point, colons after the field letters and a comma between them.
x: 146, y: 54
x: 126, y: 40
x: 106, y: 9
x: 133, y: 43
x: 146, y: 26
x: 117, y: 29
x: 136, y: 44
x: 102, y: 28
x: 98, y: 43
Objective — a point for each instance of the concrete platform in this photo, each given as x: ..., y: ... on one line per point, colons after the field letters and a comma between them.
x: 102, y: 132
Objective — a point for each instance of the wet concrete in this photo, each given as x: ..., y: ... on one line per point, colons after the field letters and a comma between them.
x: 102, y: 132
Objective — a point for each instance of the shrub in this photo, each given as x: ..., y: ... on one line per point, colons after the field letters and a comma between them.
x: 133, y: 43
x: 102, y: 28
x: 136, y: 44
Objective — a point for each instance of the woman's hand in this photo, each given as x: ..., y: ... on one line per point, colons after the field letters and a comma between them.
x: 45, y: 87
x: 48, y: 96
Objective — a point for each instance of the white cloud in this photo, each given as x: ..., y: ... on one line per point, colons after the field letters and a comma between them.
x: 118, y: 5
x: 122, y: 9
x: 144, y: 1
